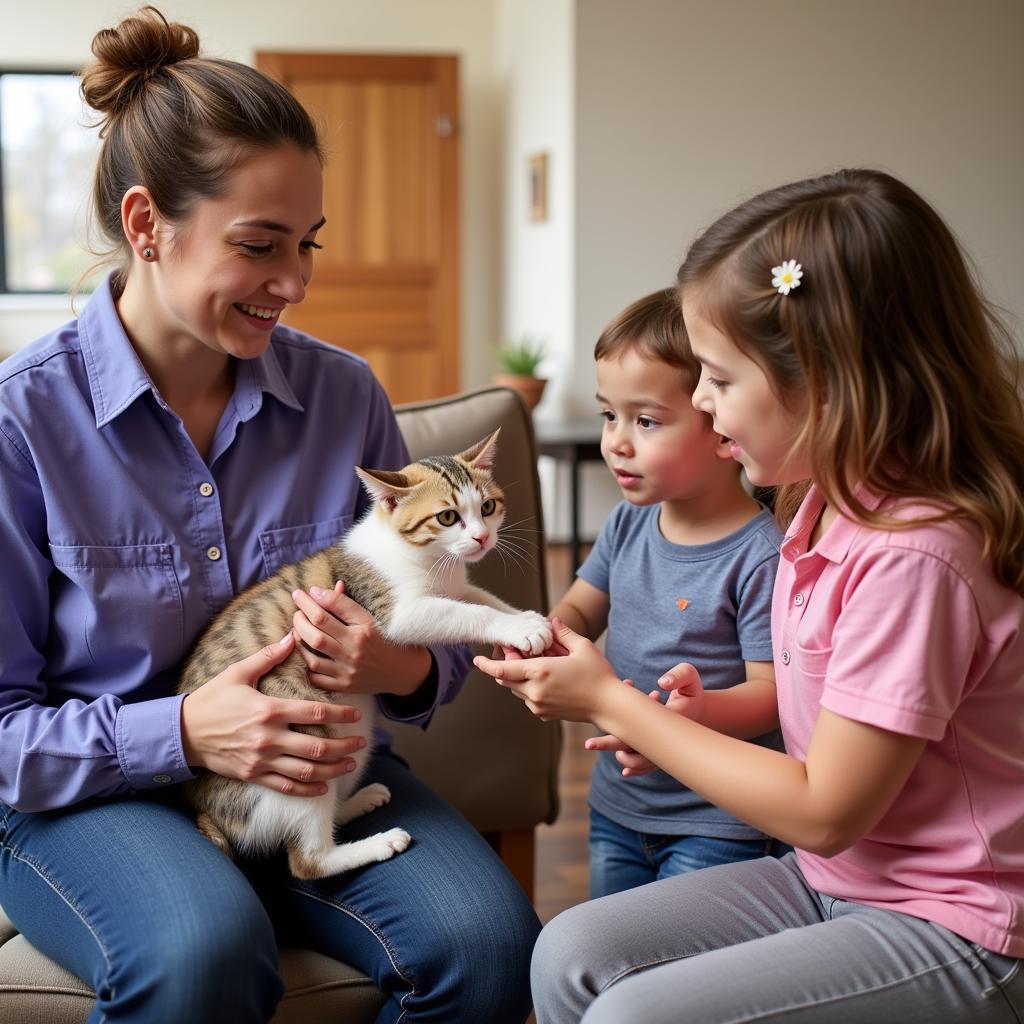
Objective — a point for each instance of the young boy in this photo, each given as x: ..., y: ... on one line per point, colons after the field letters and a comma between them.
x: 683, y: 568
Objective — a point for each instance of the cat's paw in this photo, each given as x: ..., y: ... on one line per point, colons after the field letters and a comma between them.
x: 386, y: 844
x: 371, y: 797
x: 528, y: 632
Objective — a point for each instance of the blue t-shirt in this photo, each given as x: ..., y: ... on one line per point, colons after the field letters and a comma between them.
x: 709, y: 604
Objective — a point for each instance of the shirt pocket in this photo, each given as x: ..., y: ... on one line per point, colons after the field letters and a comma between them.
x: 123, y: 601
x: 285, y: 544
x: 812, y: 663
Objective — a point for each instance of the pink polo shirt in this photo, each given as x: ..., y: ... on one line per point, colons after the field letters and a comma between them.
x: 909, y: 631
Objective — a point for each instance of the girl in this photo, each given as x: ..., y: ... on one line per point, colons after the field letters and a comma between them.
x: 842, y: 341
x: 158, y: 455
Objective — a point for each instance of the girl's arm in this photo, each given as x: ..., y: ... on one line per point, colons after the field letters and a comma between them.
x: 745, y: 710
x: 850, y: 777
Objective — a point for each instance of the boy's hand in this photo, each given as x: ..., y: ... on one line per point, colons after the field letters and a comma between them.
x: 685, y: 690
x: 685, y: 697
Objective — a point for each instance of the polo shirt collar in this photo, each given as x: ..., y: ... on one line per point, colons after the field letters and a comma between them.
x: 117, y: 376
x: 838, y: 539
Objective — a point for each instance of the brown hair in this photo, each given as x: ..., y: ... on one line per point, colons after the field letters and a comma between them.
x: 906, y: 371
x: 175, y: 122
x: 654, y: 327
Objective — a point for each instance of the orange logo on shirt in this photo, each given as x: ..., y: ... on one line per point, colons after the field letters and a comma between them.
x: 682, y: 603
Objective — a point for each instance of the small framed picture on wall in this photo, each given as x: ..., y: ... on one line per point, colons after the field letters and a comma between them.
x: 538, y: 179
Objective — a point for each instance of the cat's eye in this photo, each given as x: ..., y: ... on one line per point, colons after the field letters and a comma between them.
x: 448, y: 517
x: 488, y: 507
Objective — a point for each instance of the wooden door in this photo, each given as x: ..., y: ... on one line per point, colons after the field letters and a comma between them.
x: 386, y: 284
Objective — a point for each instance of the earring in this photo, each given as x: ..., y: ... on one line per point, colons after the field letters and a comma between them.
x: 147, y: 253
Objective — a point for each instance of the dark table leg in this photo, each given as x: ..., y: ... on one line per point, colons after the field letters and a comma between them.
x: 575, y: 498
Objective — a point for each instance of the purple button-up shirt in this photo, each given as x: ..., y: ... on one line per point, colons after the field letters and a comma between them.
x: 119, y: 543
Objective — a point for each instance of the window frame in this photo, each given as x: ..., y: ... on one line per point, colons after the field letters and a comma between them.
x: 5, y: 290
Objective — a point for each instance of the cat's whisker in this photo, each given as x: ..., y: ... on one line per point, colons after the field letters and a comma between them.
x: 525, y: 519
x: 532, y: 541
x: 518, y: 557
x: 523, y: 546
x: 501, y: 555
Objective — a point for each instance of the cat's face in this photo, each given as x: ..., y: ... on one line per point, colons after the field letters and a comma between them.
x: 448, y: 506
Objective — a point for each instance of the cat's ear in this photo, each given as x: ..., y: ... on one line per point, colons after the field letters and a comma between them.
x: 385, y: 486
x: 482, y: 454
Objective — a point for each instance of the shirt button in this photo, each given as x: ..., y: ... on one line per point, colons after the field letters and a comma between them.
x: 213, y: 553
x: 798, y: 600
x: 161, y: 780
x: 206, y: 489
x: 785, y: 657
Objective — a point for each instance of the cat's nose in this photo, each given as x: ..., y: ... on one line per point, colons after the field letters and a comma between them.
x: 481, y: 539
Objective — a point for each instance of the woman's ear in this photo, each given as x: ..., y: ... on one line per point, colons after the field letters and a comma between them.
x: 139, y: 221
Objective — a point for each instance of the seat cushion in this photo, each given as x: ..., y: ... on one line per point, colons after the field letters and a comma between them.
x: 35, y: 990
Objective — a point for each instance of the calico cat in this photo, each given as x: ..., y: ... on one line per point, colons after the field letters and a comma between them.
x: 405, y: 563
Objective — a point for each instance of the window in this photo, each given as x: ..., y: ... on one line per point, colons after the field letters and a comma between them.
x: 47, y: 157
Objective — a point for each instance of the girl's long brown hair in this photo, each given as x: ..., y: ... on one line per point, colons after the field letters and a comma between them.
x: 909, y: 375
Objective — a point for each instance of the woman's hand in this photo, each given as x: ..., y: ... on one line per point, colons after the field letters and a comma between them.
x: 685, y: 697
x: 570, y: 687
x: 232, y: 729
x: 348, y: 654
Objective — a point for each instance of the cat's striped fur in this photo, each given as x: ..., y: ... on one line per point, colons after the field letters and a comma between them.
x: 404, y: 562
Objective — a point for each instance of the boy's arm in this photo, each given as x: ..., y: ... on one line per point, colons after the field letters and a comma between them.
x: 745, y: 710
x: 584, y: 609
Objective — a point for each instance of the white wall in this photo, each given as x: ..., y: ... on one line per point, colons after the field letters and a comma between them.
x: 536, y: 48
x: 684, y: 107
x: 535, y: 43
x: 57, y: 33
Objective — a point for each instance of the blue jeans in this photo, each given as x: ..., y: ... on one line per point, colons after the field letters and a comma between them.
x: 127, y: 895
x: 622, y: 858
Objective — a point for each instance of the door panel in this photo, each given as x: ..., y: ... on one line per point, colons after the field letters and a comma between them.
x: 386, y: 283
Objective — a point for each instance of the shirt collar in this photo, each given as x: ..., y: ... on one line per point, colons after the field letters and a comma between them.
x: 117, y: 376
x: 838, y: 539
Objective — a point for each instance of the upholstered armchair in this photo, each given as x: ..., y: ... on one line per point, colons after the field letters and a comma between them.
x: 485, y: 752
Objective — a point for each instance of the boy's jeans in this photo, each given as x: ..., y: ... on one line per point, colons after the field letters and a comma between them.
x: 621, y: 858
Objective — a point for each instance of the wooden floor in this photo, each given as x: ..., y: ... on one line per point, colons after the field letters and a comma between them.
x: 561, y: 878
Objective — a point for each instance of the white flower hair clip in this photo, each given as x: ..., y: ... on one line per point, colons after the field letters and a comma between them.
x: 787, y: 276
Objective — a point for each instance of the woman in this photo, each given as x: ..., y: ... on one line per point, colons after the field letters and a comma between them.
x: 166, y: 450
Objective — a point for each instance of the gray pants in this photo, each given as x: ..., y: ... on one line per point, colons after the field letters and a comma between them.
x: 753, y: 942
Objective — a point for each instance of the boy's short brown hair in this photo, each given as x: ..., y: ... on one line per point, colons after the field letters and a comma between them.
x: 652, y: 326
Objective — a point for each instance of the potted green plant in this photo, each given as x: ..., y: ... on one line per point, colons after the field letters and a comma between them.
x: 518, y: 362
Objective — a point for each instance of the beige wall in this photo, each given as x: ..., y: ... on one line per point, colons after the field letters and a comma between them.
x: 685, y: 107
x: 56, y: 33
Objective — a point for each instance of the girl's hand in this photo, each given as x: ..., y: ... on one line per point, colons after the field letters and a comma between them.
x: 686, y: 695
x: 349, y: 655
x: 232, y: 729
x: 569, y: 686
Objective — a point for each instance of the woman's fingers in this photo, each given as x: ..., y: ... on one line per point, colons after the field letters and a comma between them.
x: 322, y: 749
x: 253, y: 668
x: 314, y: 712
x: 313, y: 625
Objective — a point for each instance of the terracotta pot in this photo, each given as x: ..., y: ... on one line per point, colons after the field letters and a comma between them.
x: 531, y: 388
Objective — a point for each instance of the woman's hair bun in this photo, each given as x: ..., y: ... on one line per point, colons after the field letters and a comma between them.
x: 128, y: 56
